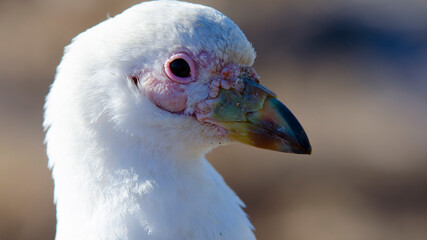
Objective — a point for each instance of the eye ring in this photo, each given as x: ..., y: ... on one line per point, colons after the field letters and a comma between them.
x: 178, y: 57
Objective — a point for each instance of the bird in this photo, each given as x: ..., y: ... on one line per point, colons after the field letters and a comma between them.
x: 136, y: 103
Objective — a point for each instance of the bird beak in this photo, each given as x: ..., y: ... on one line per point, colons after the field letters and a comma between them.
x: 255, y: 117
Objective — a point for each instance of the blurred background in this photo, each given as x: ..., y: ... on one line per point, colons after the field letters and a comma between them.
x: 354, y: 73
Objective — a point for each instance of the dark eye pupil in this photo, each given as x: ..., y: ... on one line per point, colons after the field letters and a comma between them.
x: 180, y: 68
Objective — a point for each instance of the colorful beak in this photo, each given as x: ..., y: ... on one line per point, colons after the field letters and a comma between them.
x: 255, y: 117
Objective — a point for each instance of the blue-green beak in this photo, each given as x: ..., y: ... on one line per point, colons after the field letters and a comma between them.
x: 255, y: 117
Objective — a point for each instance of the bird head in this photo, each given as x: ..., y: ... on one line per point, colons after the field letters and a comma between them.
x: 175, y: 72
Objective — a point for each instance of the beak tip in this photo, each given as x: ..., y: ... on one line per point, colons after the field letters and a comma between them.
x: 303, y: 149
x: 300, y: 143
x: 308, y: 150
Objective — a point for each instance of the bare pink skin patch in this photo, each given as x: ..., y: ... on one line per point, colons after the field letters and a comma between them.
x: 167, y: 90
x: 165, y: 93
x: 191, y: 64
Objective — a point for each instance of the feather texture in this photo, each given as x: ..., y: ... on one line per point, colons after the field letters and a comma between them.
x: 124, y: 168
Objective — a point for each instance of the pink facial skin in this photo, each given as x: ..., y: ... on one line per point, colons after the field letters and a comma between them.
x: 190, y: 62
x: 168, y: 95
x: 167, y: 91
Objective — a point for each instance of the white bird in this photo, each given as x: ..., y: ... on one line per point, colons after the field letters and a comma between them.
x: 137, y: 102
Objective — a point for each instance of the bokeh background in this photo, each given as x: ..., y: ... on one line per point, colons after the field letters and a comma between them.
x: 354, y: 72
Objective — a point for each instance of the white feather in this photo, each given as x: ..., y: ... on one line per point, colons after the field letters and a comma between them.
x: 123, y: 168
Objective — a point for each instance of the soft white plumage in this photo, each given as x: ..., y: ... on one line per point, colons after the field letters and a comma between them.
x: 127, y: 160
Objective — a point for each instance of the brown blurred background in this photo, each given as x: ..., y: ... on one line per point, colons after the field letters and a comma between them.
x: 354, y: 73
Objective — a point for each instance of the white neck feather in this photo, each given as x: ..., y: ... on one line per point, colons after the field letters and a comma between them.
x: 122, y: 189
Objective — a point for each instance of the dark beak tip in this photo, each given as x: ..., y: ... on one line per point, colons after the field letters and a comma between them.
x: 303, y: 150
x: 302, y: 146
x: 307, y: 148
x: 308, y: 151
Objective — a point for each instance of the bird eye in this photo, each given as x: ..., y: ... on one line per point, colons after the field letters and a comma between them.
x: 180, y: 68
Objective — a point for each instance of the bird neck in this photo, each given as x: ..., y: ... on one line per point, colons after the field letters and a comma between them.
x: 126, y: 188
